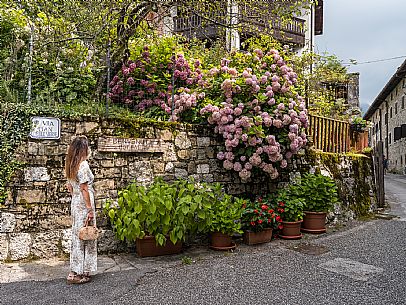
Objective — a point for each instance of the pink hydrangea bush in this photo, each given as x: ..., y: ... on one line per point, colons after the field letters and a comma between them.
x: 146, y: 82
x: 252, y: 102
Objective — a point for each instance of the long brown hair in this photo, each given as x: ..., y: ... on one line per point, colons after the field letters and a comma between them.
x: 77, y: 152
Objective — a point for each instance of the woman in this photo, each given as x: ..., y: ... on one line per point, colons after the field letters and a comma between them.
x: 83, y: 256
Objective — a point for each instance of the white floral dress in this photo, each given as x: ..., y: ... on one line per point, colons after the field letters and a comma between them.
x: 83, y: 256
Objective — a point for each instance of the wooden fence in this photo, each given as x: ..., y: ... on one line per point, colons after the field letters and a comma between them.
x: 335, y: 136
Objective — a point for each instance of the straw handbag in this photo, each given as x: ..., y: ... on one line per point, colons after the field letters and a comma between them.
x: 88, y: 232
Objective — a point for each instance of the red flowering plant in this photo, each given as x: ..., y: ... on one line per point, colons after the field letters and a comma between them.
x: 288, y: 206
x: 259, y: 215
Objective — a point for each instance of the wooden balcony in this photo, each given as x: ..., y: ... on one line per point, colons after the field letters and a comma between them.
x: 204, y: 28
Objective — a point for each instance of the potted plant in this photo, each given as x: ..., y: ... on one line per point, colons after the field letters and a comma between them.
x: 290, y: 209
x: 258, y: 221
x: 320, y: 195
x: 160, y: 216
x: 225, y: 218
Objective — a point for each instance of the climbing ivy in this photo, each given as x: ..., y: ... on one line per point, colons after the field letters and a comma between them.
x: 14, y: 128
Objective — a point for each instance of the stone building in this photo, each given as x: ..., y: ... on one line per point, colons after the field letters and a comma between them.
x: 388, y: 115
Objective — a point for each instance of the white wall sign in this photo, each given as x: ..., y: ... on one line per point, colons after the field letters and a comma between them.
x: 45, y: 128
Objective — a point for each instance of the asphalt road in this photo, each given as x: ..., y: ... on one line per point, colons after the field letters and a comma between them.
x: 365, y: 264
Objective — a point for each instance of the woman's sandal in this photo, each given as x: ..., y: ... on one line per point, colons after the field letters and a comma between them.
x: 87, y: 276
x: 74, y: 278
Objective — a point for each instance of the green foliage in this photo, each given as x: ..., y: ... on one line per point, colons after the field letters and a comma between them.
x: 319, y: 192
x: 319, y: 76
x: 290, y: 204
x: 163, y: 209
x: 225, y: 213
x: 14, y: 128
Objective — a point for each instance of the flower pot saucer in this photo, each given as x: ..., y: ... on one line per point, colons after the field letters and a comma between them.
x: 232, y: 247
x: 291, y: 236
x: 318, y: 231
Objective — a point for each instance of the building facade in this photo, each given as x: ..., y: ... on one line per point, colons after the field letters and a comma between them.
x: 299, y: 32
x: 388, y: 115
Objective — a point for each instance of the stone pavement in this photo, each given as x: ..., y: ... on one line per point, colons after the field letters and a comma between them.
x: 58, y: 268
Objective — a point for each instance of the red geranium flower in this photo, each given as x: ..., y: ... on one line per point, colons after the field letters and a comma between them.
x: 264, y: 207
x: 280, y: 227
x: 260, y: 221
x: 281, y: 210
x: 256, y: 211
x: 278, y: 218
x: 270, y: 211
x: 281, y: 204
x: 253, y: 223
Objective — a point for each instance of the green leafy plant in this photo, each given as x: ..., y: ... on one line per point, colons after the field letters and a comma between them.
x: 225, y: 213
x: 162, y: 209
x: 319, y: 192
x: 289, y: 205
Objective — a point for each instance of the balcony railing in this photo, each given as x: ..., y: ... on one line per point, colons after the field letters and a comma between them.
x: 210, y: 27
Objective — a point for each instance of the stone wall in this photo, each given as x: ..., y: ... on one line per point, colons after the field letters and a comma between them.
x: 35, y: 219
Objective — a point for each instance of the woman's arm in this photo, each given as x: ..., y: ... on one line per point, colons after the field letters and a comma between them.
x: 84, y: 189
x: 69, y: 187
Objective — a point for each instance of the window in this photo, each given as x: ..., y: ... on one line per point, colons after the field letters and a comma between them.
x: 397, y: 134
x: 396, y: 108
x: 391, y: 96
x: 386, y: 142
x: 390, y: 139
x: 403, y: 102
x: 390, y: 112
x: 386, y: 118
x: 401, y: 160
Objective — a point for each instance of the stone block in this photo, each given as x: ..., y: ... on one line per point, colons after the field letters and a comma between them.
x: 107, y: 163
x: 165, y: 135
x: 181, y: 173
x: 41, y: 149
x: 169, y: 167
x: 3, y: 246
x: 184, y: 154
x: 103, y: 186
x: 36, y: 174
x: 30, y: 196
x: 159, y: 167
x: 142, y: 171
x: 108, y: 242
x: 170, y: 154
x: 203, y: 169
x: 19, y: 245
x: 66, y: 240
x: 208, y: 178
x: 86, y: 127
x: 7, y: 222
x: 32, y: 148
x: 120, y: 162
x: 191, y: 167
x: 203, y: 141
x: 46, y: 244
x: 201, y: 155
x: 182, y: 141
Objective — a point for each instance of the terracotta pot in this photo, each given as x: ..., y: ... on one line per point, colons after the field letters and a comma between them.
x: 147, y: 247
x: 314, y: 222
x: 254, y: 238
x: 291, y: 230
x: 220, y: 240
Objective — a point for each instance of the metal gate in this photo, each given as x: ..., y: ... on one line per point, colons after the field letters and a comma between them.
x: 379, y: 173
